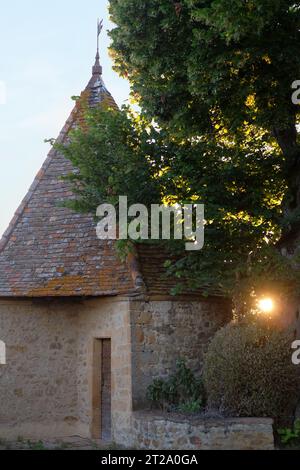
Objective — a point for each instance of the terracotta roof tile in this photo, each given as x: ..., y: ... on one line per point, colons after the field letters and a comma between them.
x: 151, y: 261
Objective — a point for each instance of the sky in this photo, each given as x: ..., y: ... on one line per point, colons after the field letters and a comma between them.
x: 47, y: 50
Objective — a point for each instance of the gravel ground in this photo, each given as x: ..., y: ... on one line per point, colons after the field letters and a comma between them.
x: 71, y: 443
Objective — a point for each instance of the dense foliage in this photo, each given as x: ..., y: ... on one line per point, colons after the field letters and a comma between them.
x: 182, y: 391
x: 290, y: 436
x: 111, y: 151
x: 248, y: 371
x: 201, y: 65
x: 217, y: 126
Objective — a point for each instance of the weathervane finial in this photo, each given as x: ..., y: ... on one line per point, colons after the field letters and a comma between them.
x: 99, y: 29
x: 97, y: 69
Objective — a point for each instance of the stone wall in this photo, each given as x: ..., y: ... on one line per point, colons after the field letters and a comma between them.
x: 46, y: 387
x: 159, y: 432
x: 164, y: 331
x: 38, y: 384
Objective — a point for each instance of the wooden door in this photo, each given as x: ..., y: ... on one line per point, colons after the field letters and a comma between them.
x: 101, y: 423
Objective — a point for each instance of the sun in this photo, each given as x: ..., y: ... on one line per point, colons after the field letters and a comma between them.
x: 266, y: 305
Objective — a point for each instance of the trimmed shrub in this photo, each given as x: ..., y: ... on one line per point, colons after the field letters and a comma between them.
x: 248, y: 371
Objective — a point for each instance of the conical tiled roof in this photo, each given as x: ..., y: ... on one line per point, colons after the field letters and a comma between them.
x: 51, y: 251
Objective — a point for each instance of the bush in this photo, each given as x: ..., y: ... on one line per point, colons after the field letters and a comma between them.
x: 248, y: 371
x: 181, y: 392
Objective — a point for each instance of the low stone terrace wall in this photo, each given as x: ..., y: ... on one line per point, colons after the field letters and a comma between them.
x: 175, y: 432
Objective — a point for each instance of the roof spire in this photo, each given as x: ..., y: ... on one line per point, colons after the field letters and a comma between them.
x: 97, y: 69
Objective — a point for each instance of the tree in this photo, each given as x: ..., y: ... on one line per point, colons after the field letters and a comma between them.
x: 199, y: 63
x: 217, y: 125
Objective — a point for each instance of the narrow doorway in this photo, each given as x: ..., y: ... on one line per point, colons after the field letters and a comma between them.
x: 101, y: 424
